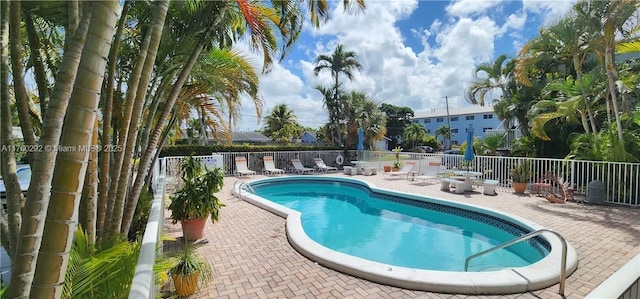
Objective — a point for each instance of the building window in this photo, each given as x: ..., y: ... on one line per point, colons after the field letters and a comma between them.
x: 439, y: 119
x: 469, y: 117
x: 488, y: 116
x: 428, y: 131
x: 454, y: 118
x: 455, y: 142
x: 486, y: 129
x: 454, y: 131
x: 428, y: 120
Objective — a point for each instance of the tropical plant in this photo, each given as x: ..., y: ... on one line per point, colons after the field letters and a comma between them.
x: 281, y: 124
x: 189, y: 268
x: 340, y: 62
x: 397, y: 150
x: 521, y: 172
x: 398, y: 118
x: 489, y: 78
x: 445, y: 132
x: 196, y: 198
x: 100, y: 272
x: 414, y: 134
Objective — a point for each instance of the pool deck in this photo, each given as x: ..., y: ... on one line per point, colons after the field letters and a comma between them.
x: 252, y: 258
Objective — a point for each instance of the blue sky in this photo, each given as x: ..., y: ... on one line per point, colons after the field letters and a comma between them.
x: 413, y: 53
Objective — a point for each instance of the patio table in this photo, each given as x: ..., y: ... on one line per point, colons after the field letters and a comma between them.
x: 467, y: 178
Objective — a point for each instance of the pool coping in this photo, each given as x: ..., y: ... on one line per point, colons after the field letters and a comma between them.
x: 506, y: 281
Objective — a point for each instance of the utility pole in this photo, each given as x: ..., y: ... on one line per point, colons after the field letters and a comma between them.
x: 448, y: 121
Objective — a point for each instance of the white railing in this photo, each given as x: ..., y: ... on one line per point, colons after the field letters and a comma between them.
x: 143, y: 285
x: 620, y: 181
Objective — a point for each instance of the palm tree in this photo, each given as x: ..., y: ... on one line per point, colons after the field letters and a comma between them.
x: 489, y: 78
x: 281, y: 124
x: 605, y: 19
x: 340, y: 62
x: 560, y: 43
x: 414, y: 133
x: 362, y: 112
x: 445, y: 132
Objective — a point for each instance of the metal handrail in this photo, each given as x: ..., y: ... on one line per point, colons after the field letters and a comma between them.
x: 240, y: 187
x: 563, y: 266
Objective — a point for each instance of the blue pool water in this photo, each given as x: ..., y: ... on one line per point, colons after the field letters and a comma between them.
x: 351, y: 219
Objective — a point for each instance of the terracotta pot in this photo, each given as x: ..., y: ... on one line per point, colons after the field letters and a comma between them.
x: 193, y: 229
x: 519, y: 187
x: 387, y: 168
x: 185, y: 285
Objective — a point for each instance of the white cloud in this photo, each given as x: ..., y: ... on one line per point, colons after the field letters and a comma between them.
x: 550, y: 10
x: 393, y: 72
x: 462, y: 8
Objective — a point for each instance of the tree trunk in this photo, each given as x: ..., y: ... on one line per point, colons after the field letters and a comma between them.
x: 70, y: 166
x: 577, y: 64
x: 117, y: 174
x: 39, y: 71
x: 22, y: 98
x: 145, y: 159
x: 610, y: 67
x: 35, y: 208
x: 10, y: 226
x: 107, y: 109
x: 155, y: 34
x: 88, y: 202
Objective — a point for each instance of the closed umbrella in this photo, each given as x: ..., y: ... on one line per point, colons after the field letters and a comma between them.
x: 360, y: 146
x: 469, y: 155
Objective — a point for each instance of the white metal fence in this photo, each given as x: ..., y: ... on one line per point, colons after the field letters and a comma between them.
x: 618, y: 183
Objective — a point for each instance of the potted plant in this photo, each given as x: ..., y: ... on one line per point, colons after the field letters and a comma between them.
x: 520, y: 176
x: 189, y: 271
x: 196, y: 199
x: 397, y: 164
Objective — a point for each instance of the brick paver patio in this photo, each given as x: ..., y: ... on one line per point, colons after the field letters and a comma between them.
x: 251, y: 257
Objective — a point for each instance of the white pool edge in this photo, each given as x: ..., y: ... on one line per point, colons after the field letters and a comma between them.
x: 541, y: 274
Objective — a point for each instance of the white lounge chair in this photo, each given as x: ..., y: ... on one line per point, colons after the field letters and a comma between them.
x: 241, y: 167
x: 404, y: 172
x: 320, y: 166
x: 299, y: 168
x: 270, y: 167
x: 430, y: 174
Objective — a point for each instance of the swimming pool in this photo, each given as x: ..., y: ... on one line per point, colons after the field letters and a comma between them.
x: 406, y: 240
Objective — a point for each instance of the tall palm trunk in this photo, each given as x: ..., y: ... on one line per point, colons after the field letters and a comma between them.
x: 10, y: 225
x: 89, y: 200
x: 5, y: 241
x: 70, y: 166
x: 39, y: 72
x: 22, y: 98
x: 147, y: 156
x: 35, y: 209
x: 116, y: 171
x: 105, y: 156
x: 610, y: 70
x: 577, y: 65
x: 155, y: 34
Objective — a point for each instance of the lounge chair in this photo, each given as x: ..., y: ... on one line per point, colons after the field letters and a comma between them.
x: 404, y: 172
x: 320, y: 166
x: 242, y: 169
x: 270, y: 167
x: 299, y: 168
x: 430, y: 174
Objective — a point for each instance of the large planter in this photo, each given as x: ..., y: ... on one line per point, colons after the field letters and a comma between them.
x: 193, y: 229
x: 519, y: 187
x: 387, y: 168
x: 185, y: 285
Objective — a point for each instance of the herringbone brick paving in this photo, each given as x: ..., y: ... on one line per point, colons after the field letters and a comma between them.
x: 251, y: 257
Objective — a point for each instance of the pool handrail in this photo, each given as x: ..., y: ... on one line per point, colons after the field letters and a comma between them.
x: 563, y: 266
x: 240, y: 187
